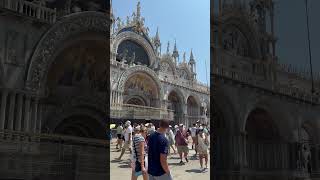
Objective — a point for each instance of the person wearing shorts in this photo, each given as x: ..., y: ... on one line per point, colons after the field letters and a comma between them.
x: 182, y: 144
x: 128, y: 139
x: 202, y: 146
x: 119, y: 136
x: 193, y: 131
x: 139, y: 153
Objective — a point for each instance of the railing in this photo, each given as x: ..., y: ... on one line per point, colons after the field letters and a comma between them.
x: 61, y: 157
x: 30, y: 9
x: 260, y: 82
x: 128, y: 111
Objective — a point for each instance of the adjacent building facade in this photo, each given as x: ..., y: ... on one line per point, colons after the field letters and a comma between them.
x: 53, y: 76
x: 264, y: 115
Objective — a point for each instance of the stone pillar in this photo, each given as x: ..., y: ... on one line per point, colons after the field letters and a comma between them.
x: 34, y: 116
x: 40, y: 108
x: 11, y: 110
x: 3, y: 109
x: 27, y: 114
x: 19, y: 112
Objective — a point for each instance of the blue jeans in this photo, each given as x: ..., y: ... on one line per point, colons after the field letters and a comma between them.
x: 163, y: 177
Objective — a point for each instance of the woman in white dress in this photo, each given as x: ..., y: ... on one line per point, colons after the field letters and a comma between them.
x: 202, y: 146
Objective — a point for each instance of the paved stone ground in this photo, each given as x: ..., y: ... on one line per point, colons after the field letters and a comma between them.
x: 120, y: 170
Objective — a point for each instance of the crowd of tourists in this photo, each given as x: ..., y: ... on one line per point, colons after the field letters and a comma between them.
x: 150, y: 146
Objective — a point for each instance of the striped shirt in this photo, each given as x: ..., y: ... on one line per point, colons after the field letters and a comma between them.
x: 136, y: 146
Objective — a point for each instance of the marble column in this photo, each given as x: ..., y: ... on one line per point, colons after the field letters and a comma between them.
x: 4, y: 96
x: 11, y: 110
x: 34, y: 116
x: 27, y: 114
x: 19, y: 113
x: 40, y: 109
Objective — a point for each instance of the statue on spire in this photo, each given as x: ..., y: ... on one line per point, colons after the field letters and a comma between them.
x: 168, y: 47
x: 138, y: 10
x: 184, y: 57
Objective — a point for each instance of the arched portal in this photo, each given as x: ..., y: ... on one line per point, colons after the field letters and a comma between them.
x: 132, y: 52
x: 193, y: 110
x: 76, y: 79
x: 80, y: 65
x: 142, y: 89
x: 261, y: 127
x: 81, y: 126
x: 175, y: 104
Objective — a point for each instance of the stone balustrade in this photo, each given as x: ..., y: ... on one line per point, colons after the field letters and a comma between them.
x: 30, y: 9
x: 129, y: 111
x: 19, y: 111
x: 260, y: 82
x: 61, y: 157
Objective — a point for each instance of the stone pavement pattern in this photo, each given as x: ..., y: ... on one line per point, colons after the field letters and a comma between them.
x: 120, y: 170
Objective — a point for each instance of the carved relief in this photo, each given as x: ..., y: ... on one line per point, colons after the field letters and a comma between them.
x: 12, y: 46
x: 235, y: 42
x: 42, y: 58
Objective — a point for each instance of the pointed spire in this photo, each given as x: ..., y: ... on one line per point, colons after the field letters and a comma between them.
x: 157, y: 38
x: 192, y: 60
x: 175, y: 53
x: 184, y: 57
x: 175, y: 46
x: 168, y: 47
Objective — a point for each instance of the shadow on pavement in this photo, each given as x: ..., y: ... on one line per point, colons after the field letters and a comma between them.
x: 175, y: 164
x: 124, y: 166
x: 195, y: 171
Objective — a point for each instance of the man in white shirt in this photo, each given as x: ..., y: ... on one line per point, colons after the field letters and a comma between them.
x: 127, y: 139
x: 193, y: 130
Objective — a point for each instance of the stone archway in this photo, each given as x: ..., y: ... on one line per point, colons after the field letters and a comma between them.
x: 147, y: 72
x: 141, y: 40
x: 260, y: 127
x: 81, y: 126
x: 142, y: 89
x: 71, y: 26
x: 175, y: 103
x: 193, y: 110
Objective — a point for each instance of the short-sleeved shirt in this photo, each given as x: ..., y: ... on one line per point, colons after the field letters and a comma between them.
x: 127, y: 132
x: 157, y: 144
x: 119, y: 129
x: 137, y: 139
x: 180, y: 139
x: 193, y: 131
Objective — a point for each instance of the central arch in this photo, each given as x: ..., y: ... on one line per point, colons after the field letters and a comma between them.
x: 139, y: 70
x: 141, y: 89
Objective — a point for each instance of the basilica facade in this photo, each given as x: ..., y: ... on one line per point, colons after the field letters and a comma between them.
x: 265, y: 116
x: 150, y: 84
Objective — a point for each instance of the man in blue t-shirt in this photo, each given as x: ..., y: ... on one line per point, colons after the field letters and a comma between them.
x: 158, y: 168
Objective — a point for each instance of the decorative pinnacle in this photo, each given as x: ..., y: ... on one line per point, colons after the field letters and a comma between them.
x: 175, y: 53
x: 138, y: 10
x: 192, y: 60
x: 168, y: 47
x: 184, y: 57
x: 157, y: 38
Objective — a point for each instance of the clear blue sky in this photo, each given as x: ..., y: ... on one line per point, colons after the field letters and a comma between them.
x: 187, y: 21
